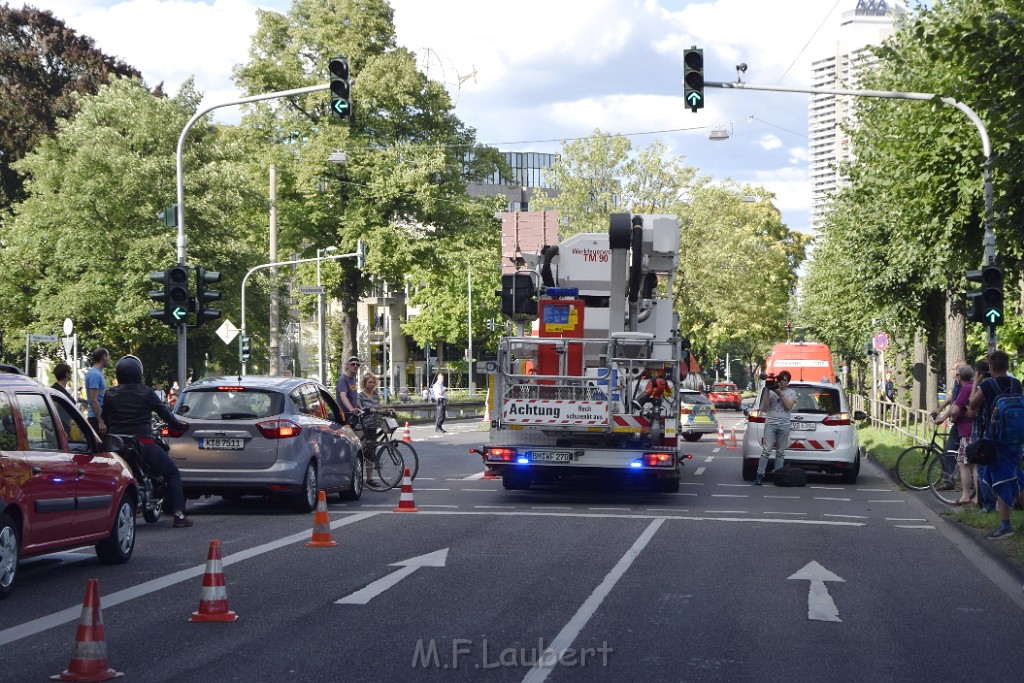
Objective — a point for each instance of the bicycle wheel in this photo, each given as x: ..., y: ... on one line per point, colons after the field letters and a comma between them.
x: 912, y: 467
x: 946, y: 486
x: 412, y: 460
x: 371, y: 479
x: 388, y: 465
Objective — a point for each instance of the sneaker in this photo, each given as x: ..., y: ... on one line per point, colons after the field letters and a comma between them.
x: 1000, y: 532
x: 759, y: 480
x: 182, y: 522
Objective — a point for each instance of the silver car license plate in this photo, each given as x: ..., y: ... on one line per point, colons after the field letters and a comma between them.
x: 801, y: 426
x: 221, y: 444
x: 551, y: 456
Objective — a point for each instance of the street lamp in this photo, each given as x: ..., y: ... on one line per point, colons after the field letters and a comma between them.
x: 320, y: 326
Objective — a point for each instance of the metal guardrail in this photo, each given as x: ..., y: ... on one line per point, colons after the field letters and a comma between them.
x: 914, y: 425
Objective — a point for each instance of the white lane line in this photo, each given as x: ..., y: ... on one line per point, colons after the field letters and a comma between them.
x: 31, y: 628
x: 876, y: 490
x: 846, y: 516
x: 828, y: 488
x: 636, y: 515
x: 681, y: 494
x: 887, y: 501
x: 418, y: 488
x: 551, y: 507
x: 737, y: 485
x: 715, y: 450
x: 478, y: 475
x: 784, y: 497
x: 377, y: 505
x: 479, y: 490
x: 904, y: 519
x: 913, y: 526
x: 666, y: 510
x: 725, y: 512
x: 612, y: 509
x: 843, y: 500
x: 418, y: 478
x: 495, y: 507
x: 729, y: 495
x: 692, y: 483
x: 708, y: 459
x: 699, y: 471
x: 549, y: 659
x: 783, y: 513
x: 426, y: 505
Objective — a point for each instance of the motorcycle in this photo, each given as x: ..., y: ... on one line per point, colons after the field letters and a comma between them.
x: 152, y: 488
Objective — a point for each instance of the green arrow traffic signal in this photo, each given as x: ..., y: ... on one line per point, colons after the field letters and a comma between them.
x: 179, y: 313
x: 993, y: 315
x: 341, y: 87
x: 693, y: 78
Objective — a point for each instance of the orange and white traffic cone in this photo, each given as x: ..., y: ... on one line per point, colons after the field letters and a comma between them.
x: 213, y: 603
x: 89, y: 658
x: 732, y: 437
x: 721, y: 434
x: 406, y: 503
x: 321, y: 524
x: 489, y: 474
x: 406, y: 436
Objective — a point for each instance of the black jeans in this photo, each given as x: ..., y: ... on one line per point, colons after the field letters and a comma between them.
x: 159, y: 463
x: 442, y: 413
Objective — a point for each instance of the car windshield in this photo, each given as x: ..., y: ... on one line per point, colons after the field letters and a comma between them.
x: 218, y: 404
x: 816, y: 400
x: 722, y: 388
x: 694, y: 397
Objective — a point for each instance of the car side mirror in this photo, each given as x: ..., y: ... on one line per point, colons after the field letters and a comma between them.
x: 113, y: 443
x: 860, y: 415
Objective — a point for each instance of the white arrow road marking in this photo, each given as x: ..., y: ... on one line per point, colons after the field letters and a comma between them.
x: 820, y: 606
x: 364, y: 595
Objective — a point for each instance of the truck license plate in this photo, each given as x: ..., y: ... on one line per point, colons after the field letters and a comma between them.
x: 550, y: 456
x: 222, y: 444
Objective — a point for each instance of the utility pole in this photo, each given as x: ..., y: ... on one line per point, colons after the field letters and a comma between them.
x: 275, y: 291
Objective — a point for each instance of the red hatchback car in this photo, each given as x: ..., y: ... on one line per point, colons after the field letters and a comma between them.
x: 58, y: 488
x: 725, y: 395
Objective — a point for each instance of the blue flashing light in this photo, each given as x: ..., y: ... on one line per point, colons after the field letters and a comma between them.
x: 637, y: 463
x: 523, y: 460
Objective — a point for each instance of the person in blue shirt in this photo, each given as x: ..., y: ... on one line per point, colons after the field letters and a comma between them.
x: 95, y: 387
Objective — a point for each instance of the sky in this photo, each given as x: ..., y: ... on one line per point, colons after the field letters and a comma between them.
x: 536, y: 72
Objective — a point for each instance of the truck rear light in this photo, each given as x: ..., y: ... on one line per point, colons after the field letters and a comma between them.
x: 278, y: 429
x: 501, y: 454
x: 837, y: 419
x: 757, y: 416
x: 658, y: 459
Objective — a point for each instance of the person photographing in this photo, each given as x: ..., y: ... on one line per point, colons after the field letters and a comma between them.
x: 777, y: 402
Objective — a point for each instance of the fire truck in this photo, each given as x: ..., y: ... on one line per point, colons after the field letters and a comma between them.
x: 592, y: 391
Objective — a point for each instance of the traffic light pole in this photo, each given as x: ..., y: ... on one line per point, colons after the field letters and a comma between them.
x: 990, y: 235
x: 182, y: 355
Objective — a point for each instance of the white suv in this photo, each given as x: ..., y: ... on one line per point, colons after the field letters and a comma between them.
x: 822, y: 436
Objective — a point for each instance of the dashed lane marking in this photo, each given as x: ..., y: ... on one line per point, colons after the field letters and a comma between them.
x: 708, y: 459
x: 425, y: 505
x: 914, y: 526
x: 887, y: 501
x: 766, y: 512
x: 904, y: 519
x: 423, y: 489
x: 729, y: 495
x: 699, y: 471
x: 784, y: 497
x: 612, y: 509
x: 491, y: 490
x: 846, y: 516
x: 842, y: 500
x: 551, y: 507
x: 725, y: 512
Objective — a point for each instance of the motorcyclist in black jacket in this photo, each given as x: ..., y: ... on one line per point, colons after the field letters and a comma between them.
x: 128, y: 409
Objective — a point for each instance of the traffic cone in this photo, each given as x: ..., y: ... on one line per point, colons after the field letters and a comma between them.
x: 406, y: 436
x: 721, y: 435
x: 213, y: 604
x: 489, y: 474
x: 405, y: 503
x: 89, y: 658
x: 321, y: 524
x: 732, y: 437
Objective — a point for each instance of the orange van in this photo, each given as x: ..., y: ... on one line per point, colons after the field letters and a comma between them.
x: 806, y: 361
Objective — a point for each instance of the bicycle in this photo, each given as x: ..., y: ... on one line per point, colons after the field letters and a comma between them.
x: 946, y: 485
x: 913, y: 463
x: 390, y: 457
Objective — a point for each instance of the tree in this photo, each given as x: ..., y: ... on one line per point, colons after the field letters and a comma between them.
x: 45, y: 65
x: 402, y: 187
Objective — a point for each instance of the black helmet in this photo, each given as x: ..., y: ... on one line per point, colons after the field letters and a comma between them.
x: 128, y: 370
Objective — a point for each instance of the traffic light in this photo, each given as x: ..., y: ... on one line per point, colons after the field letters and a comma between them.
x: 174, y: 296
x: 169, y: 216
x: 518, y: 295
x: 360, y: 254
x: 341, y: 87
x: 244, y: 348
x: 205, y: 296
x: 986, y: 304
x: 693, y: 78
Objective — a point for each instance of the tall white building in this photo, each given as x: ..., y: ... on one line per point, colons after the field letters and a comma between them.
x: 871, y: 22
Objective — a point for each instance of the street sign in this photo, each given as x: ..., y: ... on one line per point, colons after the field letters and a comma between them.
x: 227, y: 332
x: 311, y: 290
x: 69, y: 345
x: 881, y: 341
x: 69, y: 327
x: 42, y: 338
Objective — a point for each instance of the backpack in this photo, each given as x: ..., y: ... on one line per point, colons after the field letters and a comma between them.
x: 789, y: 476
x: 1007, y: 424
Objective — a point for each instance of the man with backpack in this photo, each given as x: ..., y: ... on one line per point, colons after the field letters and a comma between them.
x: 999, y: 402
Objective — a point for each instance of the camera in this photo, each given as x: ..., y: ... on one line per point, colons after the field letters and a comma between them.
x: 771, y: 382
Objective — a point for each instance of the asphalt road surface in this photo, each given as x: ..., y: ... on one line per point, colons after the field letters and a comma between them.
x: 719, y: 582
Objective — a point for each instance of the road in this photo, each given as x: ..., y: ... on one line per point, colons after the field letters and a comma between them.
x: 719, y: 582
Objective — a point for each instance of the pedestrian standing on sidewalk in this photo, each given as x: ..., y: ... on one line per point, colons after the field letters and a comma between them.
x: 95, y: 387
x: 441, y: 401
x: 962, y: 427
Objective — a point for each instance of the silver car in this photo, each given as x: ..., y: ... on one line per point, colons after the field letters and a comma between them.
x: 266, y: 436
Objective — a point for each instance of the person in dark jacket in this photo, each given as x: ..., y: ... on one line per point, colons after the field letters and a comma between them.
x: 128, y: 410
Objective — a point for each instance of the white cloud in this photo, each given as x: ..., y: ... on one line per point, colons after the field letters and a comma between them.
x: 770, y: 141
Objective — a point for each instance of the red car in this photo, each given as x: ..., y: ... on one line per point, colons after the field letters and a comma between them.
x: 725, y: 395
x: 58, y: 488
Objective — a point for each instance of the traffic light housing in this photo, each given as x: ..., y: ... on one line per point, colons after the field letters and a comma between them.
x: 986, y: 304
x: 169, y: 216
x: 518, y: 295
x: 244, y: 348
x: 360, y: 254
x: 174, y: 296
x: 159, y: 296
x: 693, y: 78
x: 341, y: 87
x: 204, y: 296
